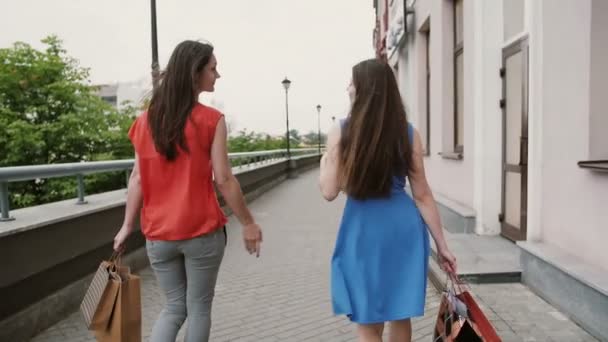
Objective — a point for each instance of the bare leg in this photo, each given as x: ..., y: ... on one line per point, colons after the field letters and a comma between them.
x: 370, y: 332
x: 400, y: 331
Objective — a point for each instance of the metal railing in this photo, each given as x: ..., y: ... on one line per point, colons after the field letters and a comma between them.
x: 33, y: 172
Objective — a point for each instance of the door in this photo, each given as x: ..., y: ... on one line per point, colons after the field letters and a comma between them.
x: 514, y: 104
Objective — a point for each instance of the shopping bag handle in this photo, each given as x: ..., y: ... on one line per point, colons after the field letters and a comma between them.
x: 455, y: 282
x: 116, y: 258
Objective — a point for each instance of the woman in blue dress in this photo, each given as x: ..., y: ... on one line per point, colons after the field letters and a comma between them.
x: 380, y: 261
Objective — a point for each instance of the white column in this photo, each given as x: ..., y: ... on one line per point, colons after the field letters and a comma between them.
x: 487, y: 91
x: 534, y: 23
x: 491, y: 125
x: 477, y: 49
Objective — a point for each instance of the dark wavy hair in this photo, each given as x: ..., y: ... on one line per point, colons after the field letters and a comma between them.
x: 375, y: 143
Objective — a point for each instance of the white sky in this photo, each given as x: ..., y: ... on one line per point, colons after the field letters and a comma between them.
x: 257, y: 42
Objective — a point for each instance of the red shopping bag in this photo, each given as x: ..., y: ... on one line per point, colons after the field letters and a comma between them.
x: 460, y: 318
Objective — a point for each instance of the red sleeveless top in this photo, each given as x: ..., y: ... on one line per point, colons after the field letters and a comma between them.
x: 179, y: 200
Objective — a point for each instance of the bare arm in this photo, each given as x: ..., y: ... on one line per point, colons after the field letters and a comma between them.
x: 329, y: 181
x: 229, y: 187
x: 134, y: 197
x: 133, y: 206
x: 426, y: 204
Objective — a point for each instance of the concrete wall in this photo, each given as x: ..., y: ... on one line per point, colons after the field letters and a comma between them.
x: 573, y: 215
x: 47, y: 267
x: 576, y: 290
x: 39, y: 262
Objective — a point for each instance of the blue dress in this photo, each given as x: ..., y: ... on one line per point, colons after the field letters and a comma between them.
x: 379, y: 266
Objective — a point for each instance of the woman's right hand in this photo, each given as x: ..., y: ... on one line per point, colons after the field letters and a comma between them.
x: 120, y: 238
x: 252, y: 235
x: 447, y: 261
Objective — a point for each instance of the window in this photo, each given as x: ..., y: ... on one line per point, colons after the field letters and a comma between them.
x: 458, y: 77
x: 597, y: 159
x: 598, y: 120
x: 112, y: 100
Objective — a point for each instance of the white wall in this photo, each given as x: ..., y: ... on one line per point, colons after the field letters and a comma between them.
x: 534, y: 18
x: 566, y: 204
x: 451, y: 178
x: 406, y: 79
x: 489, y: 92
x: 573, y: 212
x: 598, y: 149
x: 403, y: 59
x: 418, y: 60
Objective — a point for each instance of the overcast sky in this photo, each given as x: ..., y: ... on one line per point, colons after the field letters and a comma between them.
x: 257, y: 43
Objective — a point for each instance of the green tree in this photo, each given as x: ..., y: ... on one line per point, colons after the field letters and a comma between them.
x: 312, y: 138
x: 247, y: 141
x: 294, y: 138
x: 49, y: 113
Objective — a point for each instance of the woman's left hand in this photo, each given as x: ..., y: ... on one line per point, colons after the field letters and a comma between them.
x: 447, y: 261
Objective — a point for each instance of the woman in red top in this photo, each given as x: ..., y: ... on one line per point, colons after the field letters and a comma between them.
x: 180, y: 148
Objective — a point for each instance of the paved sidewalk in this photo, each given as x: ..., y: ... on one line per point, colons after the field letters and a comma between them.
x: 284, y: 295
x: 520, y: 315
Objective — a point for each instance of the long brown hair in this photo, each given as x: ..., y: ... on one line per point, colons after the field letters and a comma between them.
x: 375, y: 143
x: 175, y: 96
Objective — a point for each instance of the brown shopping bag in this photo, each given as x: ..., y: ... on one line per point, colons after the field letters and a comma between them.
x: 125, y: 320
x: 98, y: 302
x: 460, y: 319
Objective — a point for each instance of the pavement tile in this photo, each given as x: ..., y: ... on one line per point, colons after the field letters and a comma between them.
x: 284, y: 295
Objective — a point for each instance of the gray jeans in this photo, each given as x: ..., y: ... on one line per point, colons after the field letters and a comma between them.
x: 186, y: 272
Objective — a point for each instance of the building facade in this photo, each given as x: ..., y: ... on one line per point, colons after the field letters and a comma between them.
x: 125, y: 93
x: 511, y: 100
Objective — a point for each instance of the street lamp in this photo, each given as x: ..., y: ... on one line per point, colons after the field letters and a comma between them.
x: 286, y: 83
x: 155, y: 67
x: 319, y: 126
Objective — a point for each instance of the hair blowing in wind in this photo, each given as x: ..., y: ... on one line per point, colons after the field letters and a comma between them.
x: 374, y: 144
